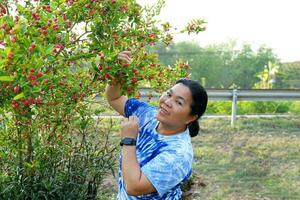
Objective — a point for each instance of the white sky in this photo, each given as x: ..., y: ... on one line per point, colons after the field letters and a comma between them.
x: 275, y: 23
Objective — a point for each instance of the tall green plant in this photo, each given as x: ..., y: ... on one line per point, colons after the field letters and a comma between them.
x: 267, y: 76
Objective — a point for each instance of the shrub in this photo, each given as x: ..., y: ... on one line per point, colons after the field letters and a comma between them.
x: 54, y: 57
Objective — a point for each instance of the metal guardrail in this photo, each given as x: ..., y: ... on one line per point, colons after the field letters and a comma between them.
x: 242, y: 95
x: 237, y: 95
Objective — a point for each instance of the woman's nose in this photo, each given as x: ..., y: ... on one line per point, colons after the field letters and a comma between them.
x: 168, y: 102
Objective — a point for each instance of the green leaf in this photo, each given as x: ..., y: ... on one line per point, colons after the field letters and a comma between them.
x: 49, y: 50
x: 39, y: 62
x: 23, y: 29
x: 6, y: 78
x: 19, y: 96
x: 36, y: 89
x: 7, y: 50
x: 95, y: 66
x: 2, y: 63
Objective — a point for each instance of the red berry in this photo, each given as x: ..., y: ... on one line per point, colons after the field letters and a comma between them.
x: 129, y: 90
x: 58, y: 37
x: 32, y: 47
x: 34, y: 83
x: 107, y: 75
x: 13, y: 39
x: 56, y: 27
x: 101, y: 55
x: 2, y: 10
x: 35, y: 16
x: 31, y: 77
x: 40, y: 74
x: 124, y: 7
x: 15, y: 104
x: 100, y: 78
x: 49, y: 23
x: 152, y: 36
x: 134, y: 80
x: 28, y: 102
x: 31, y: 100
x: 38, y: 100
x: 11, y: 55
x: 45, y: 32
x: 17, y: 89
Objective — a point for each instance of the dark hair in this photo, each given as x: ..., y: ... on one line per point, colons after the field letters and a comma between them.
x: 199, y: 103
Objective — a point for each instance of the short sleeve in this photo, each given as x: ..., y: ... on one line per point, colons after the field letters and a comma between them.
x: 140, y: 109
x: 167, y: 170
x: 134, y: 107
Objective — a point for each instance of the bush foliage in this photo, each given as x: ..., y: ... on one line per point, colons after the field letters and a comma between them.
x: 54, y: 57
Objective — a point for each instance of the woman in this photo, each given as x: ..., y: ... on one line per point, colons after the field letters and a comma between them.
x: 156, y: 153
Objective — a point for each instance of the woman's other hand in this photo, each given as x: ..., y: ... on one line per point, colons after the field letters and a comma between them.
x: 124, y: 57
x: 130, y: 127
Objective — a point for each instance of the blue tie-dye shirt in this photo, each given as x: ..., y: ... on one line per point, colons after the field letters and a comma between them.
x: 165, y: 160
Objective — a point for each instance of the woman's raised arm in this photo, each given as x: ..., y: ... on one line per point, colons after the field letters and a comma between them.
x: 113, y: 93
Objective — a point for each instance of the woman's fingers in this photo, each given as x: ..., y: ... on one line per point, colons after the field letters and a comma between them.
x: 124, y: 59
x: 129, y: 127
x: 128, y: 53
x: 133, y: 118
x: 125, y: 56
x: 130, y: 118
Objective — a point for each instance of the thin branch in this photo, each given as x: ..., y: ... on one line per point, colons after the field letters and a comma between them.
x: 69, y: 30
x: 78, y: 39
x: 7, y: 8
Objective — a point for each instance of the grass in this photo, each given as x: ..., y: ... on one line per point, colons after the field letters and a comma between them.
x: 256, y: 159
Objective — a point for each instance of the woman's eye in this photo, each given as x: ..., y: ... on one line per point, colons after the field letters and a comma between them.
x: 179, y: 103
x: 168, y: 94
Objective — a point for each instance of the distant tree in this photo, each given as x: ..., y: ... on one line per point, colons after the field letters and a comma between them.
x: 289, y: 76
x: 243, y: 67
x: 220, y: 65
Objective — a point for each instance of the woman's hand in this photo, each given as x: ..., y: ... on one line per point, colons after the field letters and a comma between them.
x: 124, y: 57
x: 130, y: 127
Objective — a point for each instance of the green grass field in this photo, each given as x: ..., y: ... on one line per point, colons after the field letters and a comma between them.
x: 256, y: 159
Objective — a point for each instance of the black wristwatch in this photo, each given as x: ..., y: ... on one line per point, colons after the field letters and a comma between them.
x: 128, y: 141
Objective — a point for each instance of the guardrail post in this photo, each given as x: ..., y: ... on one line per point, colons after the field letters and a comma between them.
x: 234, y: 106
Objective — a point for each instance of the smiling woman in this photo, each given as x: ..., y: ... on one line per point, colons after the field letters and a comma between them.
x: 157, y: 155
x: 183, y: 104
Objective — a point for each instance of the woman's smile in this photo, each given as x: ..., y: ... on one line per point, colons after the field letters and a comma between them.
x: 163, y: 111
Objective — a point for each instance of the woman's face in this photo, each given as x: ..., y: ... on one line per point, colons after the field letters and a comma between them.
x: 175, y: 106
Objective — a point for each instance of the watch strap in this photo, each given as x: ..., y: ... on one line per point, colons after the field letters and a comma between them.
x: 128, y: 141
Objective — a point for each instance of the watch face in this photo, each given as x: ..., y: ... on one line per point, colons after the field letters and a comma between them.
x: 128, y: 141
